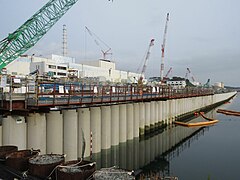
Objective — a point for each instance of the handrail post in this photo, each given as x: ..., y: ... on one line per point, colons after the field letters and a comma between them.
x: 110, y: 93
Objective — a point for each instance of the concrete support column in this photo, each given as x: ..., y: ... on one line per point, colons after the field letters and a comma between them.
x: 95, y: 122
x: 122, y: 123
x: 54, y: 120
x: 37, y: 132
x: 1, y: 134
x: 160, y: 114
x: 174, y: 109
x: 136, y: 124
x: 170, y: 115
x: 84, y: 132
x: 115, y: 125
x: 14, y: 132
x: 70, y: 134
x: 152, y: 115
x: 178, y: 110
x: 156, y: 114
x: 130, y: 121
x: 106, y: 127
x: 141, y: 119
x: 181, y: 106
x: 147, y: 116
x: 165, y: 112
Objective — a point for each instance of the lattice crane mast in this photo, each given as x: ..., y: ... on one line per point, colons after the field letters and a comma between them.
x: 163, y: 47
x: 146, y: 58
x: 96, y: 40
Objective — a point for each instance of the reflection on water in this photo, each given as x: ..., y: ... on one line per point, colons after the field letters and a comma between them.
x: 154, y: 152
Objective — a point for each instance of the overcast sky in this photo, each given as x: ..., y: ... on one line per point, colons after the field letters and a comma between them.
x: 203, y: 35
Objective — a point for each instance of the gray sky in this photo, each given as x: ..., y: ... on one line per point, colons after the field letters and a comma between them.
x: 203, y: 35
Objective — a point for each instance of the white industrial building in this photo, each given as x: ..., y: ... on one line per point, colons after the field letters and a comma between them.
x: 59, y: 66
x: 177, y: 82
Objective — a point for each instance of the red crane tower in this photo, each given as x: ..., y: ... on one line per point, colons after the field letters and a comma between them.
x: 163, y: 47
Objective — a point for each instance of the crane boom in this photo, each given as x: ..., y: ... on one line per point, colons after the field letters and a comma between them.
x: 96, y: 40
x: 147, y: 57
x: 27, y: 35
x: 188, y: 70
x: 166, y: 76
x: 163, y: 47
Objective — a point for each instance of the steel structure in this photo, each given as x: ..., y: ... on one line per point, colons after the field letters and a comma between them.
x: 146, y: 58
x: 96, y: 40
x: 64, y: 41
x: 163, y: 48
x: 188, y: 71
x: 166, y: 76
x: 27, y: 35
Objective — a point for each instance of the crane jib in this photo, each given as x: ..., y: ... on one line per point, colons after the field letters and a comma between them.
x: 27, y: 35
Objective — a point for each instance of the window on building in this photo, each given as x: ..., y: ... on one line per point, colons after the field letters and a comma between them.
x: 61, y: 74
x: 52, y: 66
x: 62, y: 67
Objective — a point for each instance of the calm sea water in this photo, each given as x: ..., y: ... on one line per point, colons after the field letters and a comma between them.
x: 199, y: 153
x: 215, y: 154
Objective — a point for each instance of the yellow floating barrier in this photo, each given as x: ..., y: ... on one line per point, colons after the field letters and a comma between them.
x: 205, y: 123
x: 228, y: 112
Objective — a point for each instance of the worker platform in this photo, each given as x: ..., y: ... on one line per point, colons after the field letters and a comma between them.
x: 43, y: 96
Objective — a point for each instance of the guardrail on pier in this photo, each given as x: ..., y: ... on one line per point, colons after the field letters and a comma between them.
x: 56, y: 94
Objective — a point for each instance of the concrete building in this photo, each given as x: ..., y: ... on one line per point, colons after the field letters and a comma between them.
x: 59, y: 66
x: 177, y: 82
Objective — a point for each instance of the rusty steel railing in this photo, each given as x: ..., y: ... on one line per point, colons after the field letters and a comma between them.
x: 56, y: 94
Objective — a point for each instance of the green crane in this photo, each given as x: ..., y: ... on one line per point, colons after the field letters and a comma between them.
x: 32, y: 30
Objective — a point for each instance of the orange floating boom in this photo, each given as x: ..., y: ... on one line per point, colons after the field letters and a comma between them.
x: 206, y: 123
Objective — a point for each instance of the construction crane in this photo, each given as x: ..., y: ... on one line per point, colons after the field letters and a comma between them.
x: 27, y: 35
x: 146, y: 59
x: 189, y: 72
x: 163, y: 47
x: 166, y: 76
x: 96, y: 40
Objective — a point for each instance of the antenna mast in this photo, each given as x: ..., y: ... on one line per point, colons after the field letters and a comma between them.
x: 64, y: 40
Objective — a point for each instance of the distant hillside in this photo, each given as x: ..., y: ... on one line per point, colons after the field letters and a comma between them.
x: 233, y: 88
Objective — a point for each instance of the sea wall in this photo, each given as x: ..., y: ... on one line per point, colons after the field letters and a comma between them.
x: 84, y: 131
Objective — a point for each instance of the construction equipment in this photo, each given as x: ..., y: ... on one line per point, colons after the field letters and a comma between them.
x: 207, y: 84
x: 166, y: 76
x: 27, y: 35
x: 189, y: 72
x: 96, y: 40
x: 163, y: 47
x: 146, y: 60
